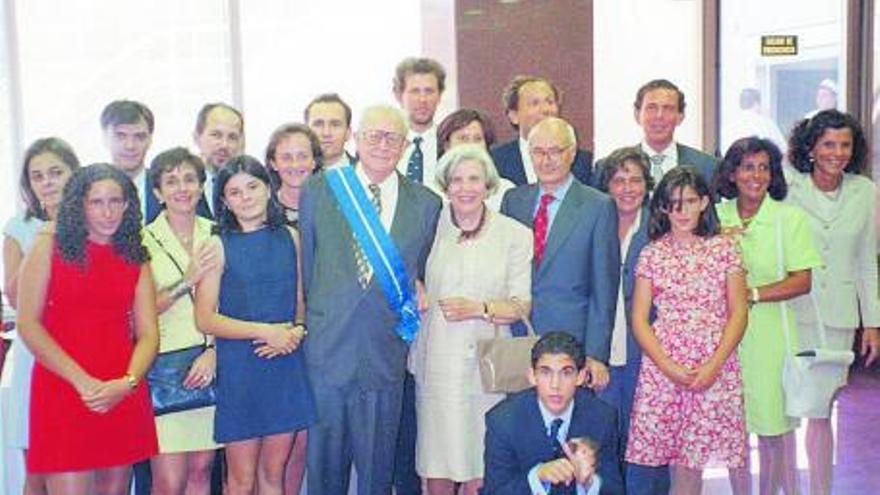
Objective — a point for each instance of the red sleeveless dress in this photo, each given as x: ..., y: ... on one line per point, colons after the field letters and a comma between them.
x: 87, y: 312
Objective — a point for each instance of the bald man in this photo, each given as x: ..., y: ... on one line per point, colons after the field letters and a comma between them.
x: 357, y: 344
x: 576, y: 262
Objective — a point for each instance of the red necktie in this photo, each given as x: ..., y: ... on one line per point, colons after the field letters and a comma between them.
x: 542, y: 224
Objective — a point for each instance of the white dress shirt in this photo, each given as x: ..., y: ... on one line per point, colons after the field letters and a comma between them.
x: 429, y: 155
x: 387, y: 195
x: 669, y: 162
x: 528, y: 166
x: 539, y: 487
x: 618, y: 334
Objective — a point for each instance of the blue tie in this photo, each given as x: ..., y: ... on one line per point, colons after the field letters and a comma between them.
x: 560, y: 489
x: 554, y: 437
x: 414, y: 169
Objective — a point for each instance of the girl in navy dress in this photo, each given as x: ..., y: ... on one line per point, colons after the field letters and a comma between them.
x: 252, y: 304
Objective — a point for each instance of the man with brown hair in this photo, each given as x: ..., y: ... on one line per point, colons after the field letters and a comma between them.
x: 527, y: 101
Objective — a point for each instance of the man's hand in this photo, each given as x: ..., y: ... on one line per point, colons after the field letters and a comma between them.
x: 598, y: 374
x: 559, y: 471
x: 582, y: 456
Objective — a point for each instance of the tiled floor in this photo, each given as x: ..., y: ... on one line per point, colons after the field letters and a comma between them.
x: 857, y: 425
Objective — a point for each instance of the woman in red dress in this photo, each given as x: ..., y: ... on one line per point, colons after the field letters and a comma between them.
x: 87, y: 311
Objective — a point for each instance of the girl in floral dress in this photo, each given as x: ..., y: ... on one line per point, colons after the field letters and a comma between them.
x: 688, y: 409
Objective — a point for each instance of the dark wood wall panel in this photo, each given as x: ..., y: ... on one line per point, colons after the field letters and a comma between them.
x: 498, y: 40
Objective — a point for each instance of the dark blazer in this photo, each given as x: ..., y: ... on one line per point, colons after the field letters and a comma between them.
x: 351, y: 330
x: 703, y: 162
x: 628, y: 279
x: 574, y: 289
x: 516, y: 441
x: 509, y: 163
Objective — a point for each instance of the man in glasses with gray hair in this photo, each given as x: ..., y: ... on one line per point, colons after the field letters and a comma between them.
x: 366, y: 233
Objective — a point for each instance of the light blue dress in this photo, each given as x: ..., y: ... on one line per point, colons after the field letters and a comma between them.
x: 15, y: 386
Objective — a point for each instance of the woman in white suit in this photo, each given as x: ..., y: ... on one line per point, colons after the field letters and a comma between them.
x: 828, y: 152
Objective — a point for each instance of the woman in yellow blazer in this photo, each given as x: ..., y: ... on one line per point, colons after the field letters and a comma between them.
x: 828, y: 152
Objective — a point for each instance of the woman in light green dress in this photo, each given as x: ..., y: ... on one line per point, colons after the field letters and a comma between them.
x: 751, y: 179
x: 179, y: 257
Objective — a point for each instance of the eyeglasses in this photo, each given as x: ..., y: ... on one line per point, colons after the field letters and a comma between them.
x: 374, y: 137
x: 551, y: 153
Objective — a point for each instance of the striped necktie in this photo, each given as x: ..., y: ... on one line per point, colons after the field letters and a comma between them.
x: 365, y: 270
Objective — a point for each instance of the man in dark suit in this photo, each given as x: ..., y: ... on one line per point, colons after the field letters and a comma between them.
x: 577, y: 258
x: 128, y: 132
x: 356, y: 358
x: 219, y: 135
x: 528, y: 100
x: 330, y: 117
x: 527, y: 434
x: 659, y: 110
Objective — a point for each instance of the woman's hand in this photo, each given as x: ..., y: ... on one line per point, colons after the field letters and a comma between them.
x: 202, y: 371
x: 421, y: 296
x: 282, y: 339
x: 205, y: 258
x: 106, y: 395
x: 870, y: 345
x: 679, y: 374
x: 460, y: 308
x: 705, y: 375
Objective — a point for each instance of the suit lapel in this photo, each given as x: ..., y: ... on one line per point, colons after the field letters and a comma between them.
x: 534, y: 428
x: 406, y: 215
x: 563, y: 224
x: 519, y: 168
x: 639, y: 239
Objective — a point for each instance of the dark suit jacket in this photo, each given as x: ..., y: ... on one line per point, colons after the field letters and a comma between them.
x: 574, y: 289
x: 628, y: 279
x: 703, y: 162
x: 516, y: 441
x: 509, y: 163
x: 351, y: 330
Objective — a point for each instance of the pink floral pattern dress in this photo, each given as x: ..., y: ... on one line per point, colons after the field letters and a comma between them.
x: 671, y: 424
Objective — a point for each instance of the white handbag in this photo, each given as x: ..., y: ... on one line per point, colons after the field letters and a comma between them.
x: 810, y: 378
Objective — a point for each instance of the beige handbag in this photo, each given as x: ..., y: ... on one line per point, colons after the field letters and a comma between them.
x: 505, y: 361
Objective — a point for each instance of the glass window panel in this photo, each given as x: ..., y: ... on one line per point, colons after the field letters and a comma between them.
x: 78, y: 56
x: 767, y: 95
x: 8, y: 150
x: 627, y: 54
x: 295, y: 50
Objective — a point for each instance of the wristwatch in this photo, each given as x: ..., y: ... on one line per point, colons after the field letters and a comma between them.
x: 132, y: 381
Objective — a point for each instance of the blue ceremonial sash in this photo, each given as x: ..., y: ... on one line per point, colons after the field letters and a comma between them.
x: 379, y: 248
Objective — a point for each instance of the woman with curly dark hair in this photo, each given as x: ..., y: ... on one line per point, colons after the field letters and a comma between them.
x: 48, y: 165
x: 780, y: 255
x: 828, y: 152
x: 251, y: 302
x: 87, y: 310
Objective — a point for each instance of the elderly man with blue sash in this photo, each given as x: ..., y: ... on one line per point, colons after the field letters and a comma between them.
x: 366, y: 233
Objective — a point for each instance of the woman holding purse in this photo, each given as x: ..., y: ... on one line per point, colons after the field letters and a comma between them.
x: 478, y: 275
x: 179, y: 257
x: 828, y: 152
